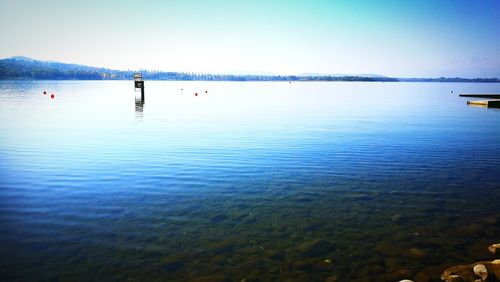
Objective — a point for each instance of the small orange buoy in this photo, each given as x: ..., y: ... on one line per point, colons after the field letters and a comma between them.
x: 52, y: 96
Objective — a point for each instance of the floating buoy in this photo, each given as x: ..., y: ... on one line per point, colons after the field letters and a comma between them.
x: 206, y: 91
x: 52, y: 96
x: 44, y: 92
x: 182, y: 89
x: 451, y: 91
x: 196, y: 94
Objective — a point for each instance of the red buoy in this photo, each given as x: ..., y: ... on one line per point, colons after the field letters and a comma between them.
x: 52, y: 96
x: 44, y: 92
x: 206, y: 91
x: 196, y: 94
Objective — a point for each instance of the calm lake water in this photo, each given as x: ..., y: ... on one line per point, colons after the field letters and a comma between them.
x: 252, y: 181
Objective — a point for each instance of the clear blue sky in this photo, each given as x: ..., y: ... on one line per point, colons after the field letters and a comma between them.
x: 396, y: 38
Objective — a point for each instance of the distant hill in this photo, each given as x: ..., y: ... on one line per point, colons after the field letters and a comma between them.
x: 26, y: 68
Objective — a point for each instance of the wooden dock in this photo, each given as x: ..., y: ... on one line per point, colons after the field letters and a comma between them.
x: 485, y: 95
x: 485, y: 103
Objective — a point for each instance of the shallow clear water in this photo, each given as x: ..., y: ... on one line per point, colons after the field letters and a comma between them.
x: 252, y: 180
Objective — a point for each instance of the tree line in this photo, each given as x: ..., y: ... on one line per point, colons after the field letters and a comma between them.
x: 26, y: 68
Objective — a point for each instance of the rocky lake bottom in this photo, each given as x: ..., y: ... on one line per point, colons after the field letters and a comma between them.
x: 315, y: 236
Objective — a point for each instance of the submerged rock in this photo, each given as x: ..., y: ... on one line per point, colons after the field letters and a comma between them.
x: 479, y: 250
x: 431, y: 273
x: 223, y: 246
x: 211, y: 278
x: 388, y: 249
x: 399, y: 274
x: 422, y: 277
x: 415, y: 253
x: 172, y: 264
x: 302, y: 265
x: 332, y: 278
x: 398, y: 218
x: 218, y: 218
x: 323, y: 266
x: 316, y: 247
x: 272, y: 254
x: 392, y: 264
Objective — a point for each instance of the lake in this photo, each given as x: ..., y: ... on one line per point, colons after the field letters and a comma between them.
x: 247, y: 181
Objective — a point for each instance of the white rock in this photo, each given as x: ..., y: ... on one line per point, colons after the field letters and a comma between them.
x: 495, y: 248
x: 481, y: 271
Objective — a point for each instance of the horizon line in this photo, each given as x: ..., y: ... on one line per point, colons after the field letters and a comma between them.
x: 249, y: 73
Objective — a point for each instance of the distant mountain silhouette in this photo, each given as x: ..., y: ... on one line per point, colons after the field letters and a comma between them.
x: 22, y: 58
x: 340, y: 74
x: 21, y: 67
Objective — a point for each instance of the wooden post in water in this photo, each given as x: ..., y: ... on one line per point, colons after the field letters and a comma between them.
x: 139, y: 83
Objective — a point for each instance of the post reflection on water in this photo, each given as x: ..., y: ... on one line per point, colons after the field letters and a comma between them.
x: 139, y: 107
x: 139, y: 101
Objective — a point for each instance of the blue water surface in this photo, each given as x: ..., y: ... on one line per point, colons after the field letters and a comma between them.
x: 261, y: 181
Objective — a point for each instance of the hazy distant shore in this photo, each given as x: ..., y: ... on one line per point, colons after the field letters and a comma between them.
x: 22, y: 68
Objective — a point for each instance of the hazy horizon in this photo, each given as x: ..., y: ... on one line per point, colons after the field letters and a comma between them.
x: 389, y: 38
